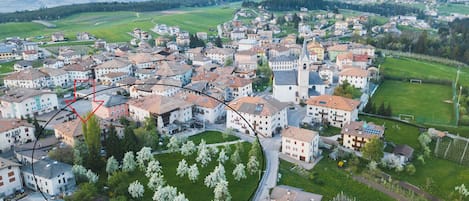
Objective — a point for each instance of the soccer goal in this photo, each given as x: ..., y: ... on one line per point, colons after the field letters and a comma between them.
x: 406, y: 117
x: 415, y: 81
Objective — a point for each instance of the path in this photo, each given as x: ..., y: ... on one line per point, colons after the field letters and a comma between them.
x: 271, y: 147
x: 380, y: 188
x: 208, y: 145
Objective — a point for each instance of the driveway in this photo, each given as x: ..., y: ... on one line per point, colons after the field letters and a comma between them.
x: 296, y: 115
x: 271, y: 147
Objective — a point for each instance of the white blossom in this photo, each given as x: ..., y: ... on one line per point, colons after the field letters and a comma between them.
x: 235, y: 158
x: 222, y: 157
x: 79, y: 171
x: 143, y: 156
x: 253, y: 165
x: 153, y: 167
x: 221, y: 191
x: 180, y: 197
x: 136, y: 189
x: 188, y: 148
x: 112, y: 165
x: 182, y: 168
x: 129, y: 162
x: 165, y: 193
x: 239, y: 172
x: 216, y: 176
x: 193, y: 173
x: 92, y: 177
x: 203, y: 156
x: 156, y: 181
x: 173, y: 144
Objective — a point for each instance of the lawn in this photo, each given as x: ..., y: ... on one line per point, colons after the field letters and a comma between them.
x: 424, y: 101
x: 453, y: 8
x: 114, y: 26
x: 335, y: 180
x: 239, y: 190
x: 212, y: 137
x: 7, y: 67
x: 411, y: 68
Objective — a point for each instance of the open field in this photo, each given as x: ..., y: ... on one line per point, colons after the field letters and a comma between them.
x: 6, y: 67
x: 335, y: 180
x: 453, y: 8
x: 212, y: 137
x: 411, y: 68
x: 113, y: 26
x: 425, y: 101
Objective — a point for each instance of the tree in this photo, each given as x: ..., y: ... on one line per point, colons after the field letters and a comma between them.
x: 218, y: 42
x: 217, y: 175
x: 373, y: 149
x: 235, y: 158
x: 154, y: 167
x: 255, y: 148
x: 156, y: 181
x: 221, y: 191
x: 368, y: 107
x: 253, y: 165
x: 37, y: 127
x: 165, y: 193
x: 388, y: 110
x: 193, y: 173
x: 129, y: 163
x: 112, y: 165
x: 62, y: 154
x: 227, y: 148
x: 180, y: 197
x: 222, y: 156
x: 381, y: 109
x: 373, y: 166
x: 86, y: 191
x: 240, y: 147
x: 239, y: 172
x: 147, y: 138
x: 188, y: 148
x: 182, y: 168
x: 114, y: 144
x: 173, y: 144
x: 410, y: 169
x: 203, y: 156
x: 92, y: 177
x: 136, y: 189
x: 228, y: 132
x: 143, y: 156
x: 130, y: 140
x: 462, y: 191
x: 80, y: 173
x: 92, y: 135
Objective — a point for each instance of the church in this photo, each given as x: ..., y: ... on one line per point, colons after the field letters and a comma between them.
x: 299, y: 84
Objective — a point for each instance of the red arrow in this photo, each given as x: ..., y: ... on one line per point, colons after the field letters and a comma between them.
x: 70, y: 102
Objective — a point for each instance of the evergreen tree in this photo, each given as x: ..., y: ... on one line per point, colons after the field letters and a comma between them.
x: 130, y: 140
x: 368, y: 107
x: 37, y: 128
x: 373, y: 108
x: 114, y: 144
x: 389, y: 110
x: 92, y: 134
x: 218, y: 42
x: 381, y: 109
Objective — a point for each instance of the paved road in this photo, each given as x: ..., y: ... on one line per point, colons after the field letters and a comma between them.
x: 296, y: 115
x: 271, y: 147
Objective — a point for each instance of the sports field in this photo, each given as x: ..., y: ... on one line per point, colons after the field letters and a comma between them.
x: 427, y: 102
x: 114, y: 26
x: 411, y: 68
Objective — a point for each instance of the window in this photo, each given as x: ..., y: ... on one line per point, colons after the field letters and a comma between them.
x: 1, y: 183
x: 12, y: 180
x: 11, y: 174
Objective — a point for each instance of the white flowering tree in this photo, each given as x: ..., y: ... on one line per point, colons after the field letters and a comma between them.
x: 80, y: 172
x: 182, y: 168
x: 193, y: 173
x: 153, y: 167
x: 239, y: 172
x: 462, y: 190
x: 129, y: 163
x: 213, y: 150
x: 392, y: 161
x: 144, y: 156
x: 173, y: 144
x: 203, y: 156
x: 136, y: 189
x: 216, y: 176
x: 201, y: 145
x: 92, y: 177
x: 253, y: 165
x: 235, y: 158
x: 181, y: 197
x: 222, y: 157
x: 165, y: 193
x: 156, y: 181
x: 112, y: 165
x: 373, y: 165
x: 188, y: 148
x: 221, y: 191
x: 227, y: 148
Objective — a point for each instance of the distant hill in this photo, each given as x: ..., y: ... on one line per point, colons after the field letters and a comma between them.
x: 15, y: 5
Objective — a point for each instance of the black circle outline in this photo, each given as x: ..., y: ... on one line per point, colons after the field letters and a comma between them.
x: 129, y: 85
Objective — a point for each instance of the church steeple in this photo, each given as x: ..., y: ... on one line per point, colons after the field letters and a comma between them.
x: 304, y: 55
x: 304, y: 62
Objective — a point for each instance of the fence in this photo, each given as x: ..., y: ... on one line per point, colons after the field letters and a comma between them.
x: 453, y: 148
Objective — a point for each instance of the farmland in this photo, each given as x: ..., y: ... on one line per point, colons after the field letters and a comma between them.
x: 114, y: 26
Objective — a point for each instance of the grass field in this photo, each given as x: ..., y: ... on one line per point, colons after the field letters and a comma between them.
x: 335, y: 181
x: 113, y: 26
x: 411, y: 68
x: 424, y: 101
x: 453, y: 8
x: 212, y: 137
x: 6, y: 67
